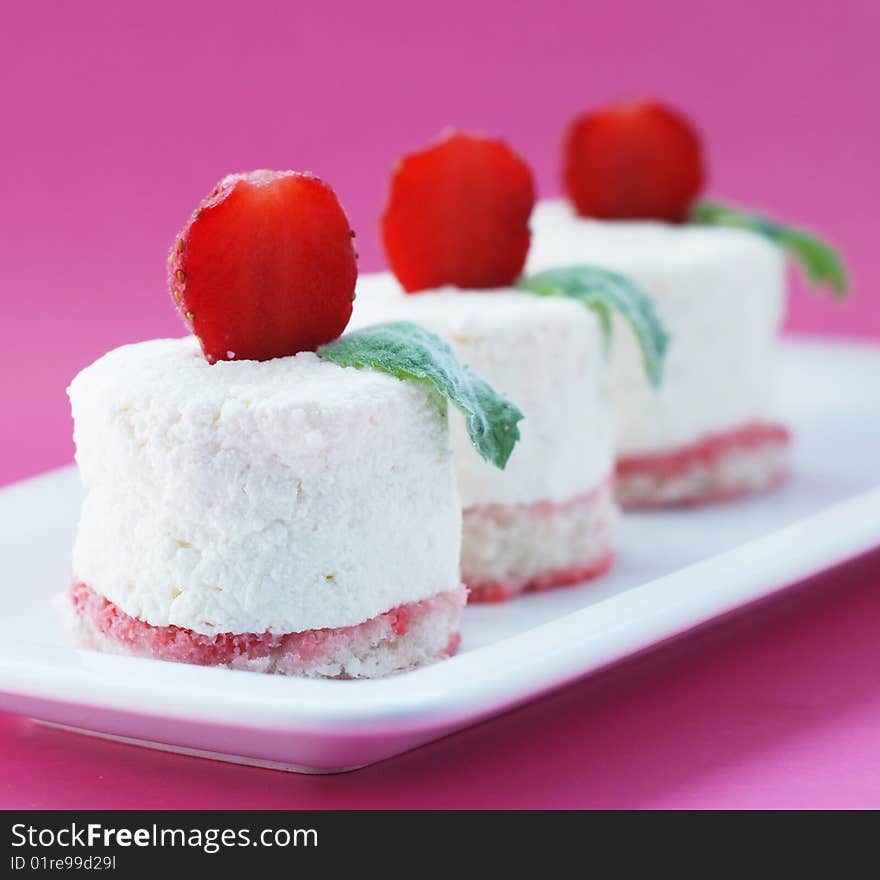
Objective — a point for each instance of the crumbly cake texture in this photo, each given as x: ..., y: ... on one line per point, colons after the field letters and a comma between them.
x: 508, y: 549
x: 548, y: 518
x: 721, y: 296
x: 403, y: 638
x: 260, y: 497
x: 718, y: 468
x: 545, y: 355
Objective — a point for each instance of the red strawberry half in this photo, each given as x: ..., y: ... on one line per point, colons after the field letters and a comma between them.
x: 457, y: 213
x: 633, y: 161
x: 265, y: 268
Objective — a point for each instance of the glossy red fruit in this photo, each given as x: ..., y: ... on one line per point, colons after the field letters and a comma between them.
x: 457, y: 213
x: 633, y: 161
x: 265, y: 268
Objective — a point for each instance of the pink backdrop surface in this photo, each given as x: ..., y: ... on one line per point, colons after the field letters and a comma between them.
x: 117, y: 118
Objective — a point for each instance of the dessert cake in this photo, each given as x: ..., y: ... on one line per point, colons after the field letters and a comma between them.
x: 717, y: 277
x: 548, y: 518
x: 284, y: 516
x: 709, y: 432
x: 456, y: 235
x: 256, y: 500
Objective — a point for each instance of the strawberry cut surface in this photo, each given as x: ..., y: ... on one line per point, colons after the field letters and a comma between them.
x: 265, y: 268
x: 457, y: 214
x: 633, y: 161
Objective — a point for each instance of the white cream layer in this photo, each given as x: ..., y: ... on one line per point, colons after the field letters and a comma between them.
x: 720, y: 293
x: 244, y: 497
x: 545, y: 355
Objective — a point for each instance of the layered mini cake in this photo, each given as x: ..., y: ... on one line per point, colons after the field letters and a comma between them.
x: 266, y: 495
x: 287, y: 516
x: 710, y: 431
x: 456, y: 234
x: 548, y: 518
x: 632, y: 175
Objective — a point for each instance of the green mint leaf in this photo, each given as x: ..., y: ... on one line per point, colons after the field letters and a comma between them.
x: 408, y: 351
x: 606, y: 292
x: 819, y: 261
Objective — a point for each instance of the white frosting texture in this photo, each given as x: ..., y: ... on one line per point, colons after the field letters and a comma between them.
x: 721, y: 295
x: 545, y: 355
x: 280, y: 496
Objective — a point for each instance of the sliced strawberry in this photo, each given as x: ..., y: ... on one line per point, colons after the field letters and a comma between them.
x: 457, y: 213
x: 265, y: 268
x: 633, y: 161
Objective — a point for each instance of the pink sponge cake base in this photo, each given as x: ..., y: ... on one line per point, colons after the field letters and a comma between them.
x: 719, y: 467
x: 405, y: 637
x: 509, y: 549
x: 501, y: 591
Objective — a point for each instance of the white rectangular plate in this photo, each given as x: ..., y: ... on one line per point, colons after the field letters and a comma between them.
x: 674, y: 571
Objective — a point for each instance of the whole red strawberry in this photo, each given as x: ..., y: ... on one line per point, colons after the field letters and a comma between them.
x: 457, y: 213
x: 265, y: 268
x: 633, y: 161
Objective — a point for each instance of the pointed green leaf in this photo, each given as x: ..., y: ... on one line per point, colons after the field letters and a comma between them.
x: 607, y: 292
x: 408, y: 351
x: 819, y: 261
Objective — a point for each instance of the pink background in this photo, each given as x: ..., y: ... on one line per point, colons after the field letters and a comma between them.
x: 117, y: 118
